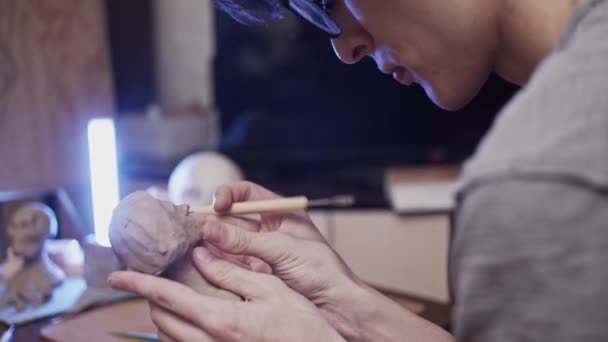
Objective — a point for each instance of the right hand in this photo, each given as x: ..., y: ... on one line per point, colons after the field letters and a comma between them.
x: 12, y: 265
x: 293, y: 248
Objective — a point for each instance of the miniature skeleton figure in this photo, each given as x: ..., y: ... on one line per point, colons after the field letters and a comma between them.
x: 157, y: 237
x: 33, y: 282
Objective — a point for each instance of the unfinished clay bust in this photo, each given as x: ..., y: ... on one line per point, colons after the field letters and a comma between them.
x: 156, y: 237
x: 28, y: 229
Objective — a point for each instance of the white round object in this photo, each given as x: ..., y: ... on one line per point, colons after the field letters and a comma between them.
x: 196, y: 178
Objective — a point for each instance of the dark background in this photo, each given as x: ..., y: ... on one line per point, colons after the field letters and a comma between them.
x: 292, y: 113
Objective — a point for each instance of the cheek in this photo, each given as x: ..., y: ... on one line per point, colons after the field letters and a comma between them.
x: 357, y: 8
x: 15, y: 231
x: 451, y: 77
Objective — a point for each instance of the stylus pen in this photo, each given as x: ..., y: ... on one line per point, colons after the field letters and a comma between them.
x: 280, y: 205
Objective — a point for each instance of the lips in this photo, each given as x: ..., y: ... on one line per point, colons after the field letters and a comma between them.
x: 400, y: 73
x: 402, y: 76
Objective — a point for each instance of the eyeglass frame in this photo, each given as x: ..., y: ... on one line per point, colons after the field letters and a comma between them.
x: 286, y: 4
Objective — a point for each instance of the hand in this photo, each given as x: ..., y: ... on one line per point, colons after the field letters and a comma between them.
x: 272, y: 312
x: 298, y: 254
x: 293, y: 248
x: 12, y: 264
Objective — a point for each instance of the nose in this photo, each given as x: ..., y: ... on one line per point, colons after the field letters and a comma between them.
x: 351, y: 48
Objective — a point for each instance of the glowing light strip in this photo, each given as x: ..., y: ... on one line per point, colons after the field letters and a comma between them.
x: 104, y: 175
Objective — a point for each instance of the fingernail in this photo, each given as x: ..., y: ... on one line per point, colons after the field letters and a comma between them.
x: 203, y: 255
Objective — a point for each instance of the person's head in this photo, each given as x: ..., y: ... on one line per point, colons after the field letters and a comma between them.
x: 28, y: 229
x: 148, y: 235
x: 446, y: 46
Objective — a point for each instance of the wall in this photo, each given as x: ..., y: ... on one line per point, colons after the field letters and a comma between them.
x: 185, y: 46
x: 54, y: 76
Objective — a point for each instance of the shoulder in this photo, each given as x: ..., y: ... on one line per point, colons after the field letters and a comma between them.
x: 527, y: 253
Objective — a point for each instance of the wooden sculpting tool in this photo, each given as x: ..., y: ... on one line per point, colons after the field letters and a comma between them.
x: 280, y: 205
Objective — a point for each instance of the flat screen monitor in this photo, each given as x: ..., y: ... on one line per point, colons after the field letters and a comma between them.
x: 285, y: 99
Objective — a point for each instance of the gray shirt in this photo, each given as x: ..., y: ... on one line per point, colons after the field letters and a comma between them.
x: 529, y: 253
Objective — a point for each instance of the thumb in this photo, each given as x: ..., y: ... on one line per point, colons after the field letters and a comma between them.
x: 267, y: 246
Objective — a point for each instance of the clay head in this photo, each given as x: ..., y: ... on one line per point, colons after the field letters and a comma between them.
x: 148, y: 234
x: 195, y: 178
x: 28, y: 229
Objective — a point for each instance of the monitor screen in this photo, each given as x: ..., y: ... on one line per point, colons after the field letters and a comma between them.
x: 293, y: 116
x: 284, y: 97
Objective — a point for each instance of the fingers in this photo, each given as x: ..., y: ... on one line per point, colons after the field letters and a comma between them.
x: 174, y: 328
x: 249, y: 224
x: 246, y: 261
x: 240, y: 260
x: 162, y: 337
x: 221, y: 319
x: 225, y: 195
x: 229, y: 276
x: 172, y: 296
x: 266, y: 246
x: 245, y: 222
x: 257, y: 265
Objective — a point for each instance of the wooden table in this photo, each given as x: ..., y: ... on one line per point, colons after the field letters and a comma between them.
x: 432, y: 311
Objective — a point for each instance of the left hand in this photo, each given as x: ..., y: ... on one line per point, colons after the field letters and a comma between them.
x: 272, y: 311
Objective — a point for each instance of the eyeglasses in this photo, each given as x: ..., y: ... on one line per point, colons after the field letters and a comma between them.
x: 313, y: 11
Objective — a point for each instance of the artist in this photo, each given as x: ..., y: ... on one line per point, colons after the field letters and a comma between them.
x: 529, y: 253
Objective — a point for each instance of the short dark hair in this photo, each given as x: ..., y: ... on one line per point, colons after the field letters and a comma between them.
x: 252, y: 11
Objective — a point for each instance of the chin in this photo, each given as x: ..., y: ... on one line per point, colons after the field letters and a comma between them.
x: 28, y: 255
x: 25, y: 251
x: 455, y: 95
x: 451, y: 106
x: 451, y: 101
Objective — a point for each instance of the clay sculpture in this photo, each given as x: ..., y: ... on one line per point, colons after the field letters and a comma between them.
x: 157, y: 237
x: 28, y: 229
